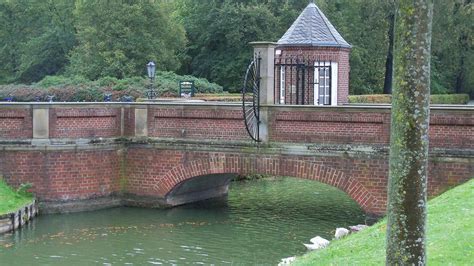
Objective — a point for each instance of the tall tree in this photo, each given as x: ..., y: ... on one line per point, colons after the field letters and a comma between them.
x: 118, y: 38
x: 387, y: 85
x: 46, y: 53
x: 363, y: 23
x: 219, y: 33
x: 464, y: 20
x: 35, y: 38
x: 406, y: 241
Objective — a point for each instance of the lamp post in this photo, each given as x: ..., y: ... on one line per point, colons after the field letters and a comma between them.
x: 151, y: 68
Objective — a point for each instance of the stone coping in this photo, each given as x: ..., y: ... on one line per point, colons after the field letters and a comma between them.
x: 228, y: 146
x: 14, y: 220
x: 44, y: 105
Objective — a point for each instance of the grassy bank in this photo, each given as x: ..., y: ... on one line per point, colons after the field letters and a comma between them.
x: 11, y: 200
x: 450, y: 235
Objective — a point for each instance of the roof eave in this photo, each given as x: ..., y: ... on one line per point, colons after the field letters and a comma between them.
x: 348, y: 46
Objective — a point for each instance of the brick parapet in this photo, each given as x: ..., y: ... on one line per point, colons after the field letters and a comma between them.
x: 195, y: 122
x: 85, y: 122
x: 16, y: 122
x: 350, y: 144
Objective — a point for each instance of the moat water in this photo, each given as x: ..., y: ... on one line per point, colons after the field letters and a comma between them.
x: 260, y: 222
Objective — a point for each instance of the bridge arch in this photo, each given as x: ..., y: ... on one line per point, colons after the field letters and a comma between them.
x: 228, y: 165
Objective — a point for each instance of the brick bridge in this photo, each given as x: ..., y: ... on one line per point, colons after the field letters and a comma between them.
x: 108, y: 154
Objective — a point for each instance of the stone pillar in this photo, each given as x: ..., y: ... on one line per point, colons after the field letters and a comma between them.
x: 40, y: 123
x: 141, y: 121
x: 266, y: 51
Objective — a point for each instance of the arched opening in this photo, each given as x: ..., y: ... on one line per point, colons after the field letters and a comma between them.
x: 199, y: 188
x: 206, y: 183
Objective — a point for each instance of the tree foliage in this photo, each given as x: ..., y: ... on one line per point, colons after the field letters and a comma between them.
x: 219, y: 33
x: 117, y: 38
x: 210, y: 38
x: 36, y: 37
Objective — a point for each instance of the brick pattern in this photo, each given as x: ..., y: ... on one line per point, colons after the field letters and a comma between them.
x: 363, y: 179
x: 197, y: 123
x: 166, y: 169
x: 82, y: 174
x: 72, y: 175
x: 129, y: 121
x: 447, y: 130
x: 452, y: 130
x: 330, y: 127
x: 63, y: 175
x: 84, y: 122
x: 16, y: 124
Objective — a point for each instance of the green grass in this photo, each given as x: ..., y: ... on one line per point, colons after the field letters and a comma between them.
x: 450, y: 236
x: 10, y: 200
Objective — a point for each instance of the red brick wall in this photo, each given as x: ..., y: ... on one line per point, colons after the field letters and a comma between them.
x: 60, y: 175
x: 84, y: 122
x: 129, y: 121
x: 155, y: 172
x: 448, y: 129
x: 194, y: 122
x: 451, y: 129
x: 87, y: 171
x: 16, y: 123
x: 323, y: 125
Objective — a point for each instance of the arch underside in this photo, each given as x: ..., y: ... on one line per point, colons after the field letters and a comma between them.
x: 210, y: 177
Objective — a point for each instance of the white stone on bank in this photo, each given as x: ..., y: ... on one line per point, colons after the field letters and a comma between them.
x: 357, y: 228
x: 341, y: 232
x: 286, y: 261
x: 317, y: 243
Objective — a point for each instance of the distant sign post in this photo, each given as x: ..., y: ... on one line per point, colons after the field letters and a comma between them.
x: 186, y: 88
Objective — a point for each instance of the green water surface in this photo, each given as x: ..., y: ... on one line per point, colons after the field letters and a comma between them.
x: 260, y: 222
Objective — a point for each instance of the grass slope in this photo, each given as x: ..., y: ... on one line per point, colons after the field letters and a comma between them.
x: 10, y: 200
x: 450, y: 236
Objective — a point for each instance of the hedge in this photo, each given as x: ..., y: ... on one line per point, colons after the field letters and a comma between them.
x: 79, y: 89
x: 387, y: 99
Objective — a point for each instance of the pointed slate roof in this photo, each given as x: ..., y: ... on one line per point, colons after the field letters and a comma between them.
x: 312, y: 28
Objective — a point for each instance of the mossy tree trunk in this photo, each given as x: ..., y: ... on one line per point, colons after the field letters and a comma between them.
x: 409, y: 134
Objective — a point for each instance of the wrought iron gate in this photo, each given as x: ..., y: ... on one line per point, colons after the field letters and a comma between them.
x: 251, y: 98
x: 302, y: 81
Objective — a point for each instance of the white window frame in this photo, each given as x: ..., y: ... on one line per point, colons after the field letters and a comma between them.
x: 333, y: 81
x: 282, y: 84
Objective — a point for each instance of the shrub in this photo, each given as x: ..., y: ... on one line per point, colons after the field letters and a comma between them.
x: 52, y: 81
x: 107, y: 81
x: 60, y: 81
x: 78, y: 89
x: 435, y: 98
x: 449, y: 99
x: 24, y: 188
x: 371, y: 98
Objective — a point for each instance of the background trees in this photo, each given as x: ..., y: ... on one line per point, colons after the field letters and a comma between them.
x: 35, y: 38
x: 210, y: 38
x: 117, y: 38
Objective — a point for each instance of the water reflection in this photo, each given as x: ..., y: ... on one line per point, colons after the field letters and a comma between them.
x: 261, y: 222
